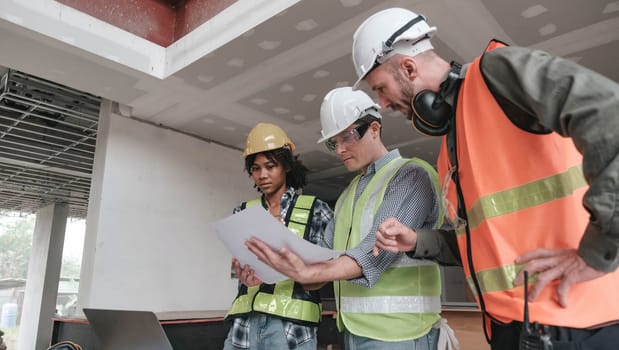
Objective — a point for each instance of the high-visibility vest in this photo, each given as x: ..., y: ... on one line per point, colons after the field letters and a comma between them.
x: 286, y: 299
x: 405, y: 302
x: 522, y: 191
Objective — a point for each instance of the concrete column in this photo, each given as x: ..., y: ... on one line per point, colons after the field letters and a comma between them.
x: 94, y: 208
x: 43, y: 277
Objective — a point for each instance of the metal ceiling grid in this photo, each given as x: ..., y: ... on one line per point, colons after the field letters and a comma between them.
x: 48, y: 134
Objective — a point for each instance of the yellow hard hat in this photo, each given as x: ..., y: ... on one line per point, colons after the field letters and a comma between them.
x: 266, y: 137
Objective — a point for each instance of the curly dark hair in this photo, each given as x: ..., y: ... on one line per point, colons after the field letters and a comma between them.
x: 296, y: 172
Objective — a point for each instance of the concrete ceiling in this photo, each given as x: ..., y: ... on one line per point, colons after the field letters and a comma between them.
x: 258, y: 61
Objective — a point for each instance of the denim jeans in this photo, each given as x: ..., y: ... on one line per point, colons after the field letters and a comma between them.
x: 427, y: 342
x: 268, y: 333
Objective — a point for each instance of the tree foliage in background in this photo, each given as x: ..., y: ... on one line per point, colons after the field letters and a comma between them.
x: 15, y: 246
x: 70, y: 268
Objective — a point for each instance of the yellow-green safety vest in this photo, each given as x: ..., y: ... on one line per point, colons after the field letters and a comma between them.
x: 405, y: 302
x: 286, y: 299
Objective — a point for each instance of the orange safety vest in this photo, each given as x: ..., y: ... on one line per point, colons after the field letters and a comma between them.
x: 522, y: 191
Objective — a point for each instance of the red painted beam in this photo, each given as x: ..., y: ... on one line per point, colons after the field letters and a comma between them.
x: 159, y: 21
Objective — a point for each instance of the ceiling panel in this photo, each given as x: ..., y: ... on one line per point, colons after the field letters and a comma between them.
x: 48, y: 134
x: 280, y: 71
x: 530, y: 21
x: 598, y: 59
x: 298, y: 99
x: 213, y: 127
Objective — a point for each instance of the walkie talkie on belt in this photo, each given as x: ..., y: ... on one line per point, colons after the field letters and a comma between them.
x: 533, y: 336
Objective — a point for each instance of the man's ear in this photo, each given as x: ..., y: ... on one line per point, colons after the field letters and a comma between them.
x: 375, y: 126
x: 409, y: 67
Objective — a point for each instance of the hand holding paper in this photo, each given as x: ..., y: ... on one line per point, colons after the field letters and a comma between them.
x: 282, y: 260
x: 236, y: 229
x: 245, y: 274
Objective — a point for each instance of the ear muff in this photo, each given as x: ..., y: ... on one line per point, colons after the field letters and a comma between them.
x: 432, y: 111
x: 429, y: 119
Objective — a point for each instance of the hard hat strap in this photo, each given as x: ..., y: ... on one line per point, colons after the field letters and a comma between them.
x: 388, y: 45
x: 370, y: 111
x: 407, y: 48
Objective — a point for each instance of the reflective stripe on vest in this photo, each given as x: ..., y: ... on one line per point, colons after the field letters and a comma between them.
x: 522, y: 191
x: 301, y: 214
x: 283, y: 301
x: 405, y: 302
x: 526, y: 196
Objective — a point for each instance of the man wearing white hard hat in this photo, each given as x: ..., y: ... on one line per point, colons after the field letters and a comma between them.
x: 513, y: 180
x: 281, y: 315
x: 387, y: 301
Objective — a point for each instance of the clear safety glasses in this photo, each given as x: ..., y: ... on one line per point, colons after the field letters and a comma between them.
x: 347, y: 138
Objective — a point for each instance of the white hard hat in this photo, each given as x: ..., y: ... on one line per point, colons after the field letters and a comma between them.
x: 376, y: 38
x: 342, y: 107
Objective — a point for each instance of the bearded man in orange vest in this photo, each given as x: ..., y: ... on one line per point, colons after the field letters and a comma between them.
x: 513, y: 183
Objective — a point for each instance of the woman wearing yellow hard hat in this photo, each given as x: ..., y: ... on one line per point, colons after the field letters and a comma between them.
x: 281, y: 315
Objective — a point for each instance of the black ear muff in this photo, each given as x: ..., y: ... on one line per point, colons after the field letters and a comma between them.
x: 432, y: 111
x: 429, y: 119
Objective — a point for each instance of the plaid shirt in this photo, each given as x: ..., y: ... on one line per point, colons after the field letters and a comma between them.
x: 296, y: 334
x: 409, y: 197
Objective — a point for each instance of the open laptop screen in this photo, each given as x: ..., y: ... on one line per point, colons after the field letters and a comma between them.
x: 127, y: 329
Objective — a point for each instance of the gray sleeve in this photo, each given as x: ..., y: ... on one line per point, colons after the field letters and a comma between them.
x: 438, y: 245
x: 410, y: 198
x: 575, y: 102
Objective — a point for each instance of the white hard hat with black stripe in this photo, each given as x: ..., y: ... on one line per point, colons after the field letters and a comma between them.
x: 342, y: 107
x: 386, y: 33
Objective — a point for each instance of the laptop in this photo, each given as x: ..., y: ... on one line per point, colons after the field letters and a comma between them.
x: 127, y: 329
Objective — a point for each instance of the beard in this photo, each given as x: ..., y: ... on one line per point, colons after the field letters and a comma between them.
x: 406, y: 100
x: 406, y: 109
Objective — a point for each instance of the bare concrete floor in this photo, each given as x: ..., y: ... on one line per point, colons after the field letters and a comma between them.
x: 467, y: 326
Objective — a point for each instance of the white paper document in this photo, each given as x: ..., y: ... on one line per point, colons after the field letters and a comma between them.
x: 254, y: 221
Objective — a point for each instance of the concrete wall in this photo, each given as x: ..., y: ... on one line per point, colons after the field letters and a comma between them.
x: 148, y: 242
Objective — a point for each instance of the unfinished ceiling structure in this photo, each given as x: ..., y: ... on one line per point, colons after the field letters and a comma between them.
x: 215, y: 68
x: 47, y: 144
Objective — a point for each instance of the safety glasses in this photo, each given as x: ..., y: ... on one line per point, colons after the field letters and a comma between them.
x: 347, y: 138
